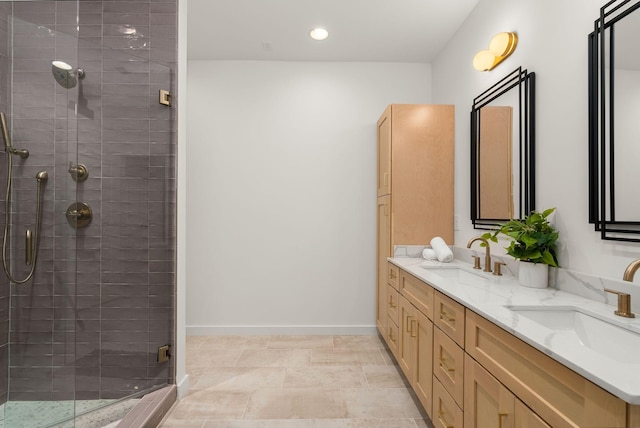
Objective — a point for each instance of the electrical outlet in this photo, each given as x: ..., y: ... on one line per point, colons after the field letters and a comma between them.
x: 456, y: 222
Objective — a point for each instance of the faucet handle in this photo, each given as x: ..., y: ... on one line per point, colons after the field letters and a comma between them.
x: 624, y: 304
x: 496, y: 268
x: 476, y: 262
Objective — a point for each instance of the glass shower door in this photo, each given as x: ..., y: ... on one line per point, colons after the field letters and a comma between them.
x: 86, y: 331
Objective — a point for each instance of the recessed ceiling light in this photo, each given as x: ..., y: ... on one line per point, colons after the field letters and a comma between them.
x: 319, y: 34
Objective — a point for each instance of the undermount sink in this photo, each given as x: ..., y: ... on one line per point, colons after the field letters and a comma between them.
x: 572, y: 325
x: 460, y: 275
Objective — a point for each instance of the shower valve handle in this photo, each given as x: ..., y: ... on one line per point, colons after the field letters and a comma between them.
x: 79, y: 215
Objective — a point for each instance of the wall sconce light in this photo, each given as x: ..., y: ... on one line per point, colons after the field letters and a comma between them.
x: 501, y: 46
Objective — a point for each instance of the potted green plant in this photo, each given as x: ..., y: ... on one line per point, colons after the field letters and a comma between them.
x: 533, y: 243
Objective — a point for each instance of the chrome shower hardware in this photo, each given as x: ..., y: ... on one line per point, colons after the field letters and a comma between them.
x: 32, y: 239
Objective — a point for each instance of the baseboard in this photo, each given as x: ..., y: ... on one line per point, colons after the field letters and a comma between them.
x: 289, y: 330
x: 183, y: 386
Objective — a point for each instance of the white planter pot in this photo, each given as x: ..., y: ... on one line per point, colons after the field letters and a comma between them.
x: 534, y: 275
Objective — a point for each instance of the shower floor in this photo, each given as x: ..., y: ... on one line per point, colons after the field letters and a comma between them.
x: 36, y: 414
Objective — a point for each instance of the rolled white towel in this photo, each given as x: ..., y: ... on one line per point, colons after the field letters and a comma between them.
x: 429, y: 254
x: 443, y: 252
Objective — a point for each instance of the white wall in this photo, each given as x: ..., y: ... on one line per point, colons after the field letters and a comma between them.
x: 553, y: 44
x: 281, y: 197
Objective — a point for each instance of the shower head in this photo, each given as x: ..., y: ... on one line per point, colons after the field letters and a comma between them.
x: 42, y: 176
x: 65, y: 75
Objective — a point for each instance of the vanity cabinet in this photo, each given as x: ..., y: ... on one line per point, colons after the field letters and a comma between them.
x: 469, y: 373
x: 415, y: 184
x: 415, y: 353
x: 489, y: 404
x: 555, y: 393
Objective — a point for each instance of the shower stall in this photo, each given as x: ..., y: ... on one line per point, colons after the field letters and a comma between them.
x: 87, y: 179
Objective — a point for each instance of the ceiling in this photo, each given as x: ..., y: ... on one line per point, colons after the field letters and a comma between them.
x: 359, y: 30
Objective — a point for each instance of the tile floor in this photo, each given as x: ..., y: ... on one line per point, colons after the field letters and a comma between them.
x: 293, y: 382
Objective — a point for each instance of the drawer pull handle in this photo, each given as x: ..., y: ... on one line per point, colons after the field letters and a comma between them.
x: 392, y: 274
x: 446, y: 317
x: 386, y: 178
x: 443, y: 365
x: 391, y: 335
x: 413, y: 334
x: 408, y: 323
x: 500, y: 416
x: 443, y: 421
x: 391, y: 304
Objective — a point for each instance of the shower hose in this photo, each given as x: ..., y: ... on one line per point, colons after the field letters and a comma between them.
x: 31, y: 250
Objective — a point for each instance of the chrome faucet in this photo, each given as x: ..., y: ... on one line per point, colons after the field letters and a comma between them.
x: 487, y: 255
x: 631, y: 270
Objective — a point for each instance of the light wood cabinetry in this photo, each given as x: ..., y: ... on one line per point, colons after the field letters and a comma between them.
x: 418, y: 293
x: 415, y: 166
x: 393, y: 312
x: 446, y: 413
x: 415, y: 353
x: 449, y: 317
x: 384, y: 249
x: 448, y: 361
x: 394, y: 276
x: 555, y: 393
x: 469, y: 373
x: 415, y: 184
x: 448, y: 365
x: 489, y: 404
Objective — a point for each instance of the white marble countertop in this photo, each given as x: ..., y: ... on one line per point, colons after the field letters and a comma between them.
x: 589, y: 354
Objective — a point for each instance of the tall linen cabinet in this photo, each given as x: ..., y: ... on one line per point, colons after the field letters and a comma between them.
x: 415, y: 193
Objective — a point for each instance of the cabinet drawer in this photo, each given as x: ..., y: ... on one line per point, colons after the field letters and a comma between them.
x: 557, y: 394
x: 417, y: 292
x: 394, y: 276
x: 393, y: 299
x: 448, y: 365
x: 393, y: 338
x: 446, y: 413
x: 449, y: 316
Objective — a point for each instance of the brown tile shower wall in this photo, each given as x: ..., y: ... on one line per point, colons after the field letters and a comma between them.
x: 101, y: 303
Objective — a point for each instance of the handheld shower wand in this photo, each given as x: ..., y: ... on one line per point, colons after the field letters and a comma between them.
x: 23, y: 153
x: 32, y: 239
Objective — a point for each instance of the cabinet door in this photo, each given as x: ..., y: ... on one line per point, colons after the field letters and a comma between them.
x: 422, y: 381
x: 407, y: 347
x: 384, y: 251
x: 384, y: 153
x: 487, y: 403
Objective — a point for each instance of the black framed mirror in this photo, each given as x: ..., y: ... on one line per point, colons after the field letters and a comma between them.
x: 614, y: 130
x: 502, y: 151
